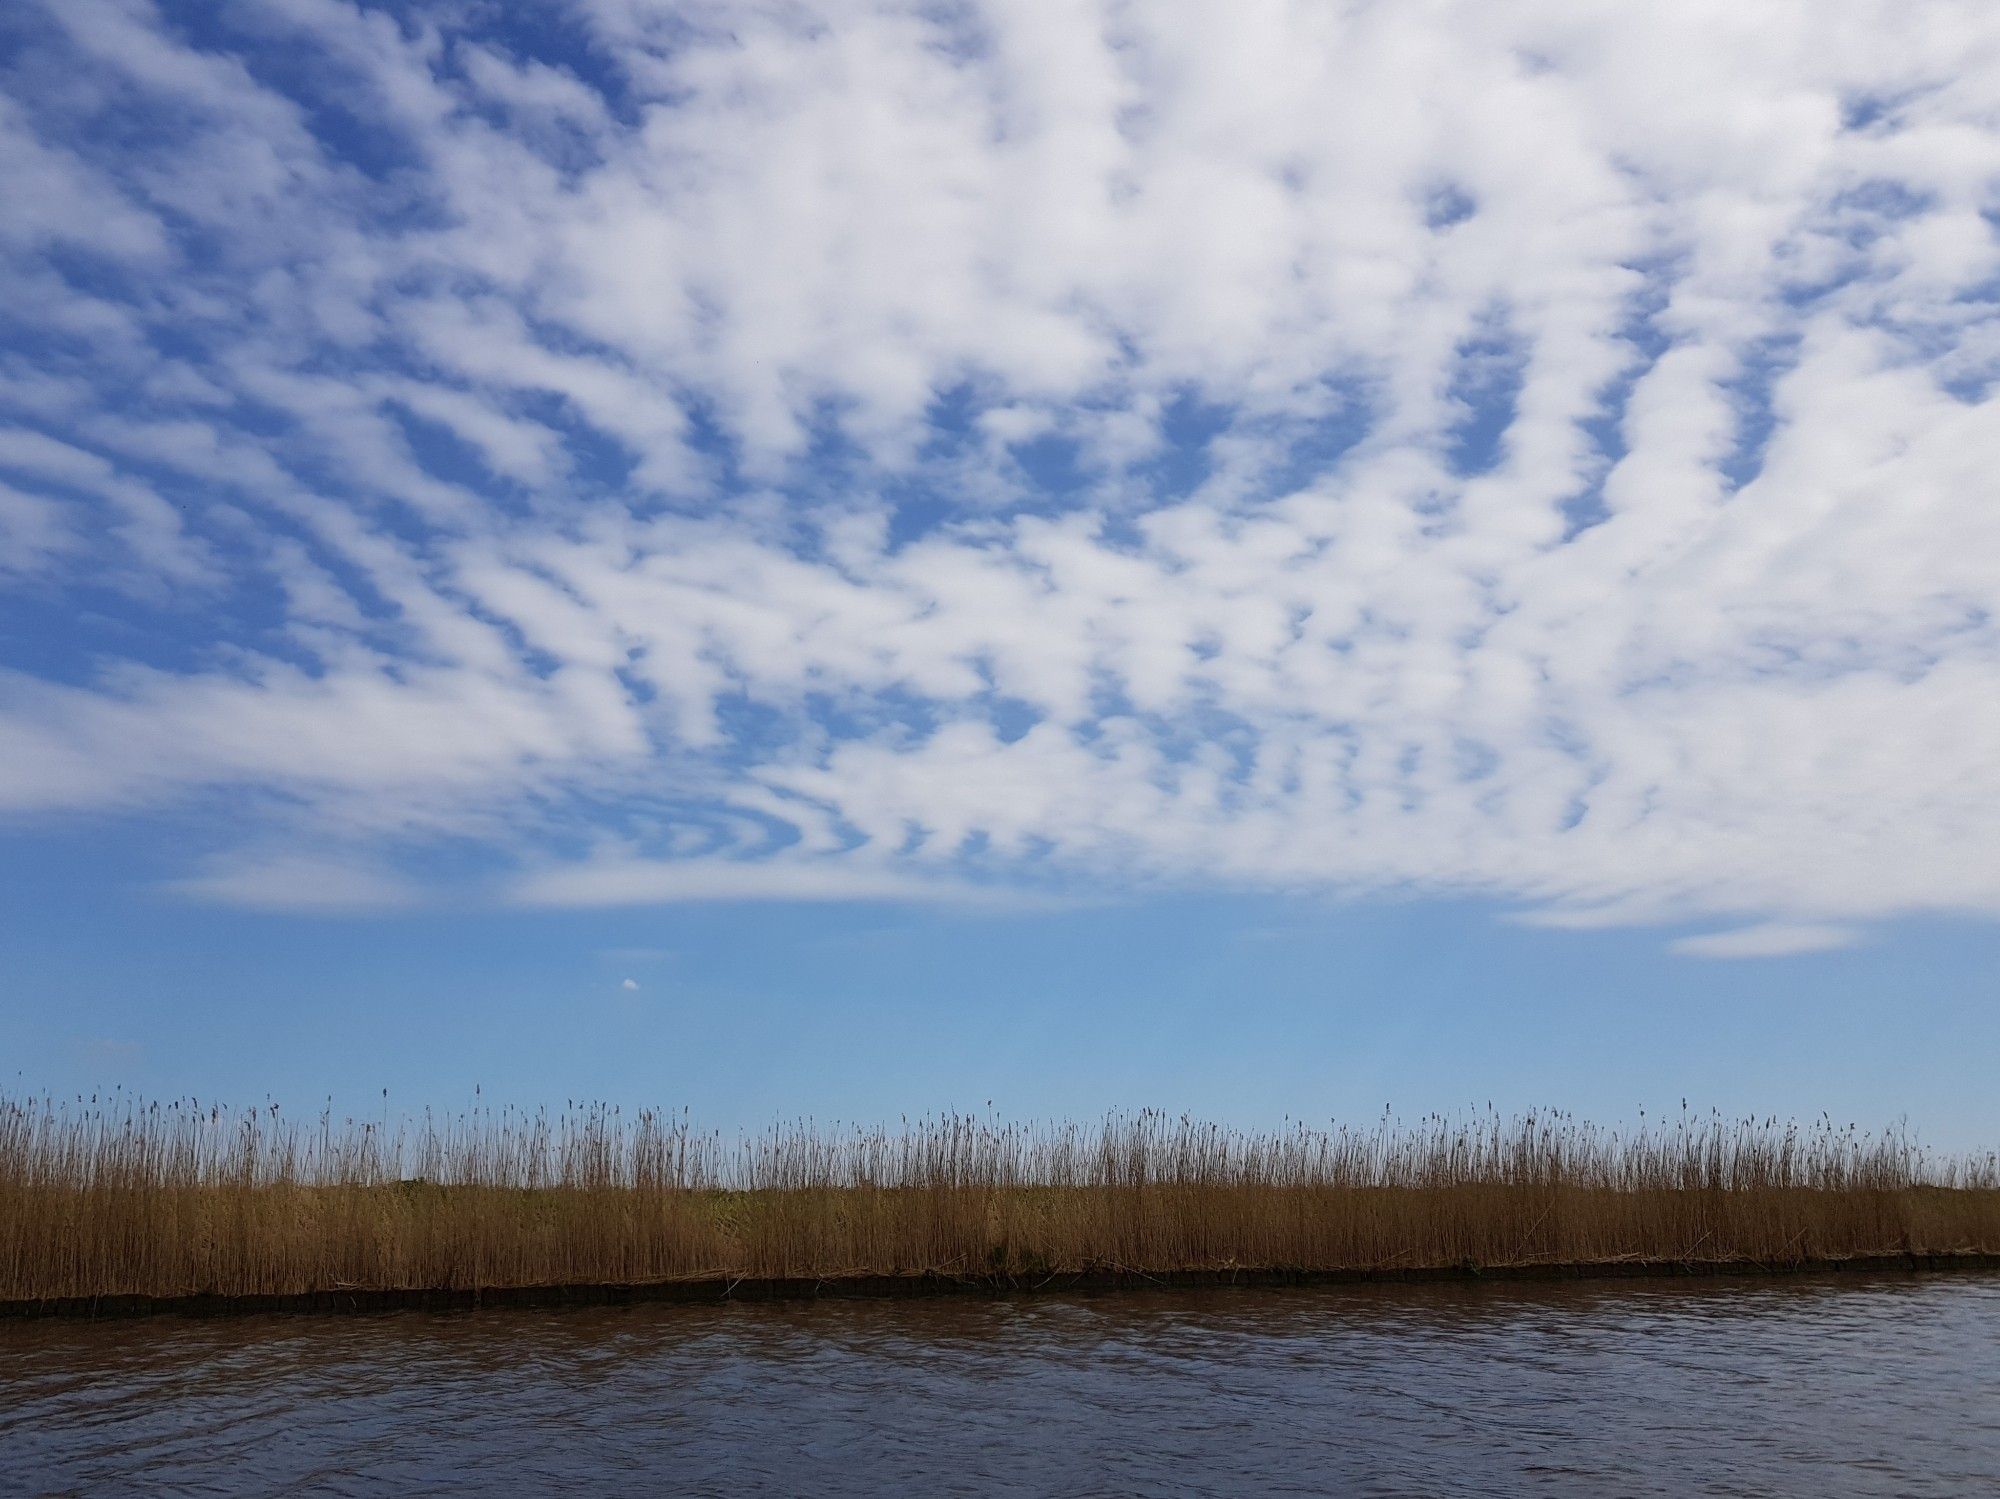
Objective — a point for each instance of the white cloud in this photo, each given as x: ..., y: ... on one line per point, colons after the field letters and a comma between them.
x: 299, y: 883
x: 863, y: 452
x: 645, y: 882
x: 147, y: 523
x: 1770, y: 940
x: 630, y: 986
x: 635, y: 956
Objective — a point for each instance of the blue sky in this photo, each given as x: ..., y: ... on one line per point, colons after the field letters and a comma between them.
x: 1085, y: 556
x: 1243, y: 1008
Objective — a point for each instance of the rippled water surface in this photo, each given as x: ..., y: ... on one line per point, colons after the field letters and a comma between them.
x: 1822, y: 1387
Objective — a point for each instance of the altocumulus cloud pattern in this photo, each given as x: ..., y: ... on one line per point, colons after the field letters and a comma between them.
x: 619, y: 452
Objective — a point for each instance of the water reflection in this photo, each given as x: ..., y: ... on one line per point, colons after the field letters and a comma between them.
x: 1887, y: 1386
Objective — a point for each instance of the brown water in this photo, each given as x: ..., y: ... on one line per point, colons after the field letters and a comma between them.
x: 1819, y: 1387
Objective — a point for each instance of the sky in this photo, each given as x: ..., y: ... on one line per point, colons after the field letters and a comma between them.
x: 1279, y: 559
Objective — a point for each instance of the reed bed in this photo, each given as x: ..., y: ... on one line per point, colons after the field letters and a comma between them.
x: 116, y: 1197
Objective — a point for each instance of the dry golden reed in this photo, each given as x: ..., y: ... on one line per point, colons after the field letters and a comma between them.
x: 103, y: 1197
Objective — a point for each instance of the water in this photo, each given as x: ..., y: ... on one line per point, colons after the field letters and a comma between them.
x: 1822, y: 1387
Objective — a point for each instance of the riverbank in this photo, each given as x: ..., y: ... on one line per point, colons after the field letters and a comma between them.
x: 712, y: 1289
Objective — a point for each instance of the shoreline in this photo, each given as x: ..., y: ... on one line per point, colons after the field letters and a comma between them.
x: 716, y: 1290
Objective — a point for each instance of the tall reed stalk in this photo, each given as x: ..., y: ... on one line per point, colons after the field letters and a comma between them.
x: 119, y: 1197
